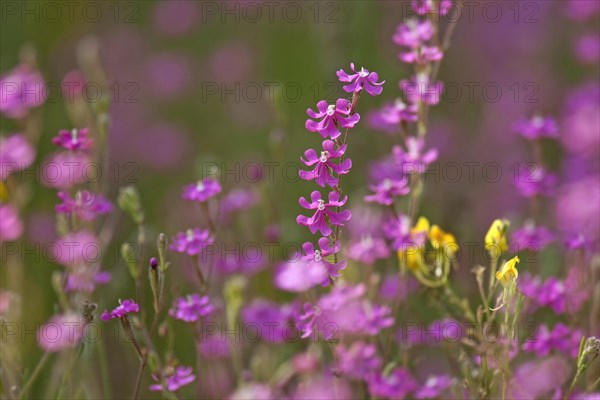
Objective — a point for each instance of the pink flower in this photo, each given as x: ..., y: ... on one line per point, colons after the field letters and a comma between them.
x: 413, y: 33
x: 421, y: 55
x: 191, y: 308
x: 389, y: 117
x: 322, y: 172
x: 15, y: 154
x: 368, y: 249
x: 536, y: 181
x: 420, y: 89
x: 85, y: 205
x: 360, y: 80
x: 77, y: 248
x: 414, y: 159
x: 61, y: 332
x: 173, y: 378
x: 20, y: 90
x: 395, y: 385
x: 202, y: 190
x: 387, y: 190
x: 358, y: 361
x: 11, y: 227
x: 334, y: 116
x: 537, y: 127
x: 434, y: 387
x: 84, y: 278
x: 73, y: 140
x: 423, y: 7
x: 192, y: 241
x: 324, y: 213
x: 66, y: 169
x: 125, y: 307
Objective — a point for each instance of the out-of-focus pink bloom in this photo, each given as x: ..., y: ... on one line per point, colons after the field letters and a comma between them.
x: 233, y: 62
x: 11, y: 226
x: 84, y: 278
x: 389, y: 117
x: 237, y: 200
x: 247, y: 262
x: 423, y: 7
x: 170, y: 75
x: 581, y: 120
x: 324, y: 213
x: 86, y: 205
x: 73, y: 140
x: 254, y: 391
x: 327, y: 387
x: 421, y: 55
x: 273, y: 321
x: 65, y: 169
x: 393, y: 288
x: 215, y: 345
x: 202, y: 190
x: 175, y: 18
x: 395, y: 385
x: 21, y: 89
x: 334, y: 117
x: 72, y: 85
x: 536, y: 181
x: 561, y: 338
x: 191, y: 308
x: 413, y: 33
x: 576, y: 208
x: 61, y: 332
x: 125, y: 307
x: 434, y: 387
x: 172, y: 379
x: 420, y: 89
x: 538, y: 379
x: 360, y: 80
x: 358, y: 361
x: 387, y: 190
x: 193, y: 241
x: 367, y: 249
x: 7, y: 299
x: 587, y: 48
x: 531, y: 237
x: 537, y: 127
x: 580, y: 10
x: 324, y: 166
x: 15, y: 154
x: 77, y: 248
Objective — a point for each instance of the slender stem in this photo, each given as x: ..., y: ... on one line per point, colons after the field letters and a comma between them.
x: 573, y: 383
x: 104, y: 376
x: 34, y: 375
x: 138, y: 382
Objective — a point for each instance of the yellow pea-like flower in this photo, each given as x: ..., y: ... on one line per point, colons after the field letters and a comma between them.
x: 412, y: 258
x: 441, y: 240
x: 508, y: 274
x: 422, y: 226
x: 495, y: 239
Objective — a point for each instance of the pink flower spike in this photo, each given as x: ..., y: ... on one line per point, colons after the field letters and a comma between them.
x: 324, y: 213
x: 125, y: 307
x: 324, y: 166
x: 73, y: 140
x: 387, y: 190
x: 334, y: 116
x: 360, y: 80
x: 413, y: 33
x: 421, y: 55
x: 85, y: 205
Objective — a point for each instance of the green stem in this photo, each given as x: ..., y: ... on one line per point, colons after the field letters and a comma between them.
x: 34, y: 375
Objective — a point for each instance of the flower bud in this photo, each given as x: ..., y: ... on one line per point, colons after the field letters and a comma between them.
x: 155, y: 276
x: 129, y: 201
x: 128, y: 254
x: 161, y: 245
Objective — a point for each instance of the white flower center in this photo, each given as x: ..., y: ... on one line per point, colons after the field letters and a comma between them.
x: 387, y: 184
x: 400, y: 105
x: 321, y: 205
x: 200, y: 186
x: 538, y: 121
x: 74, y: 135
x: 189, y: 235
x: 363, y: 73
x: 331, y: 109
x: 318, y: 256
x: 324, y: 156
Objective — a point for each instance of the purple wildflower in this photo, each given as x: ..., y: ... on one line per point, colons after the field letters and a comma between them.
x: 191, y: 308
x: 86, y: 205
x: 65, y: 169
x: 358, y: 361
x: 577, y: 241
x: 415, y: 159
x: 396, y: 385
x: 21, y: 89
x: 587, y: 48
x: 538, y: 182
x: 423, y: 7
x: 77, y: 248
x: 16, y: 153
x: 318, y: 256
x: 399, y: 231
x: 73, y: 140
x: 531, y: 237
x: 273, y: 321
x: 84, y: 278
x: 173, y: 378
x: 560, y: 338
x: 335, y: 116
x: 389, y: 117
x: 248, y: 262
x: 360, y: 80
x: 387, y: 190
x: 324, y: 212
x: 537, y: 127
x: 11, y: 226
x: 322, y: 172
x: 420, y: 89
x: 434, y: 387
x: 61, y: 332
x: 413, y: 33
x: 368, y: 249
x: 125, y: 307
x: 201, y: 191
x: 192, y: 241
x: 421, y: 55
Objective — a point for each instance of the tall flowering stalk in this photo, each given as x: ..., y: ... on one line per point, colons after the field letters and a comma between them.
x: 335, y: 123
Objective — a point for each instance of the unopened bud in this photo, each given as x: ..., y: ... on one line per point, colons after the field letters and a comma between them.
x: 155, y: 276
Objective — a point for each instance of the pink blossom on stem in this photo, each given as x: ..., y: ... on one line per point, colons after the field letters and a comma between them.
x: 324, y: 165
x: 334, y: 117
x: 325, y: 213
x: 360, y: 80
x: 73, y: 140
x: 86, y: 205
x: 16, y: 153
x: 202, y: 190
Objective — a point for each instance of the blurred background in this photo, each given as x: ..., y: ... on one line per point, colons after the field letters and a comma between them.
x: 199, y: 84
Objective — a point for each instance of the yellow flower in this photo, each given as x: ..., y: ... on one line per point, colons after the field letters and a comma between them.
x: 441, y: 240
x: 508, y: 273
x: 495, y: 239
x: 412, y: 258
x: 422, y: 226
x: 3, y: 192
